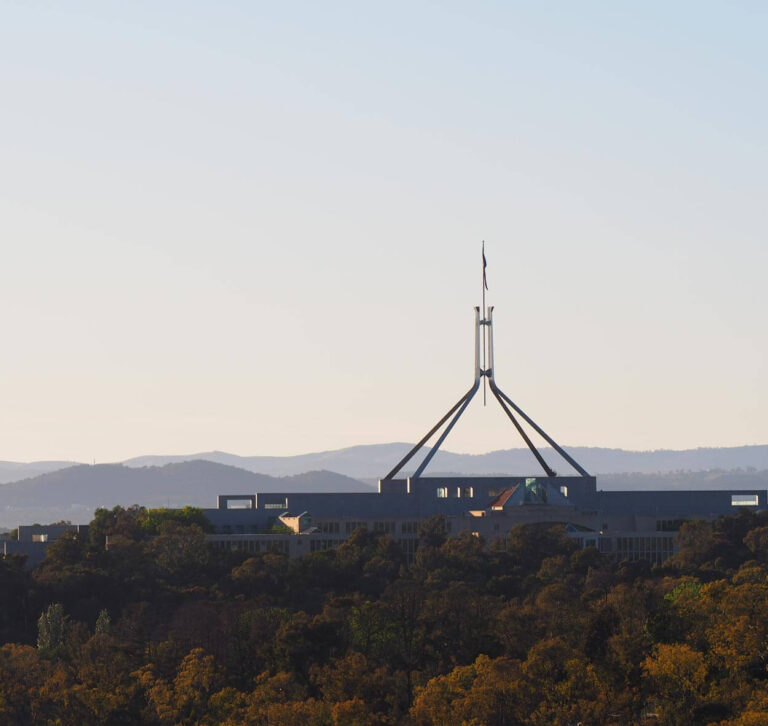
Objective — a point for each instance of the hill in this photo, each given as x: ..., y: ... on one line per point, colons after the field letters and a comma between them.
x: 370, y: 462
x: 15, y: 470
x: 374, y: 461
x: 73, y: 493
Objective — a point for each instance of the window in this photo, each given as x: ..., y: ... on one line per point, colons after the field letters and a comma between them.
x: 744, y: 500
x: 442, y: 492
x: 564, y: 491
x: 669, y: 525
x: 277, y: 505
x: 244, y: 502
x: 466, y: 492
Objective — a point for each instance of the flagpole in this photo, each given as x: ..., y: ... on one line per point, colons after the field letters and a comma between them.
x: 482, y: 282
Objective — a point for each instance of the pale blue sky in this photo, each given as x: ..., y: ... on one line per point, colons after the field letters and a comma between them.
x: 256, y: 227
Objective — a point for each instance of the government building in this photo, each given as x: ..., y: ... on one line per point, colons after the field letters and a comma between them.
x: 623, y: 524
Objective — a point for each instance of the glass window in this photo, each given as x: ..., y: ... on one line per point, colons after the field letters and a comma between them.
x: 744, y: 500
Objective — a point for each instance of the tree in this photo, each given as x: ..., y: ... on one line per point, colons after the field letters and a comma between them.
x: 354, y: 679
x: 116, y: 521
x: 103, y: 623
x: 185, y: 699
x: 180, y: 551
x: 52, y: 628
x: 65, y: 551
x: 152, y: 520
x: 14, y: 596
x: 756, y: 541
x: 485, y: 692
x: 432, y: 531
x: 676, y: 675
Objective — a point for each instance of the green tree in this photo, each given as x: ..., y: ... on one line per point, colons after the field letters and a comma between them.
x: 180, y: 551
x: 152, y: 520
x: 52, y: 628
x: 103, y: 623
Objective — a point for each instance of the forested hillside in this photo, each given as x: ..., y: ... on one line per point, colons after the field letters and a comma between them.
x: 162, y: 629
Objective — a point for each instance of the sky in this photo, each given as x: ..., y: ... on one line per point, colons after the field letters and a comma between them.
x: 256, y: 227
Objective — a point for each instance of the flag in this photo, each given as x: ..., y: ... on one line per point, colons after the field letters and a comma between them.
x: 485, y: 264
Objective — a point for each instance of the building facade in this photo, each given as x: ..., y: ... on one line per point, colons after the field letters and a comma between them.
x: 624, y: 524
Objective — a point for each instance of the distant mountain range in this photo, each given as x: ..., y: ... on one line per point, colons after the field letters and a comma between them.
x: 49, y: 491
x: 75, y: 492
x: 14, y: 471
x: 374, y: 461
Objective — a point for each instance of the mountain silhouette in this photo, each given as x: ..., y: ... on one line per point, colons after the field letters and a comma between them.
x: 75, y: 492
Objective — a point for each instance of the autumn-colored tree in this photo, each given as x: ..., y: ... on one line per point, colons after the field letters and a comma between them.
x: 530, y: 630
x: 353, y: 679
x: 675, y: 678
x: 485, y: 692
x: 183, y: 700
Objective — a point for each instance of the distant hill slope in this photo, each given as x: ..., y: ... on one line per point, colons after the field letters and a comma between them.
x: 75, y: 492
x: 14, y: 470
x: 374, y: 461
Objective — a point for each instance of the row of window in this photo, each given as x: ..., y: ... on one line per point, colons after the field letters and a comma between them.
x: 238, y: 529
x: 653, y: 549
x: 669, y: 525
x: 386, y: 527
x: 276, y: 505
x: 460, y: 492
x: 264, y: 545
x: 254, y: 546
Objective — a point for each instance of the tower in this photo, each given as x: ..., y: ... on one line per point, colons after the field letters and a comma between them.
x: 484, y: 370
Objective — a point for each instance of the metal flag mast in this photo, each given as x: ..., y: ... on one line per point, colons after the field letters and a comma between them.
x: 485, y: 317
x: 506, y: 403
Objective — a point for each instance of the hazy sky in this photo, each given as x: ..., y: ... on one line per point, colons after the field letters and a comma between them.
x: 256, y: 226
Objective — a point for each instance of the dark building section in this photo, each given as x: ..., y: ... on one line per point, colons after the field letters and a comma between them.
x: 629, y: 525
x: 33, y: 540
